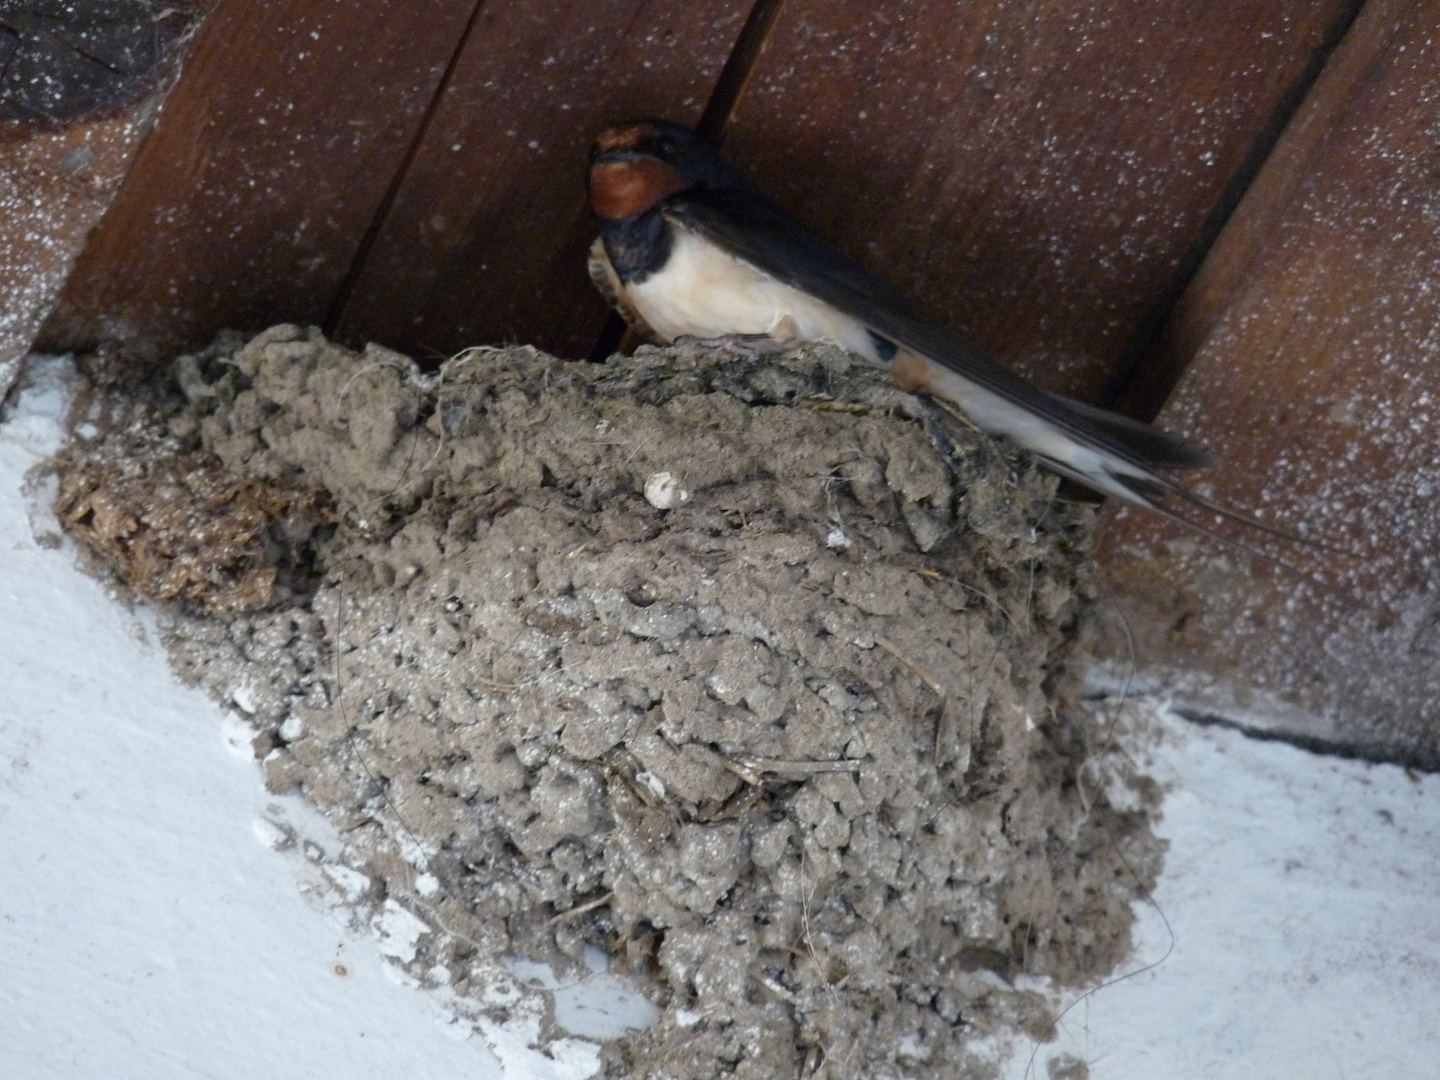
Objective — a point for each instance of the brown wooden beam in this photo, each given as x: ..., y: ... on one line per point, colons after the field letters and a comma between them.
x: 1037, y: 175
x: 79, y: 89
x: 485, y: 241
x: 264, y: 173
x: 54, y: 187
x: 1312, y: 334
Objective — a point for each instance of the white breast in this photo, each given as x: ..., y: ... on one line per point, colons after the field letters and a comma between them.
x: 705, y: 292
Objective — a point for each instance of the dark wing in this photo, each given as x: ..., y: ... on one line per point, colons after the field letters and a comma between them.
x: 748, y: 224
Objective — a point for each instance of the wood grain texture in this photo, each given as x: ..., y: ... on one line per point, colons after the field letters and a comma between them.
x: 1315, y: 329
x: 80, y: 87
x: 54, y: 187
x: 275, y: 150
x: 1036, y: 174
x: 486, y: 239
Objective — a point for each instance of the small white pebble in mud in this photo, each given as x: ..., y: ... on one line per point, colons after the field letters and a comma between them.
x: 663, y: 491
x: 652, y: 783
x: 292, y: 728
x: 836, y: 539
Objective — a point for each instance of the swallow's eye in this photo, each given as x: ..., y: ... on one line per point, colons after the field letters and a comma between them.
x: 665, y: 145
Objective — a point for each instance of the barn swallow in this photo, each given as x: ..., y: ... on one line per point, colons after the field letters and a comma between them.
x: 689, y: 248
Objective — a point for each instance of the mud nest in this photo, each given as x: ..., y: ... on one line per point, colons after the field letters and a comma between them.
x: 749, y: 671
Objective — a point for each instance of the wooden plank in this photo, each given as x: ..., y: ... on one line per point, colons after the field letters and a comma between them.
x: 54, y: 187
x: 487, y: 237
x: 264, y: 173
x: 1219, y: 279
x: 1315, y: 330
x: 1039, y: 175
x: 79, y: 90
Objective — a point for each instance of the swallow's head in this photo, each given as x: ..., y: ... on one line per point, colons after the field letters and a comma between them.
x: 635, y: 166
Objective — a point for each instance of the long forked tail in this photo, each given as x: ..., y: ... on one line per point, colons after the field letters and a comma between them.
x: 1147, y: 496
x: 1161, y: 452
